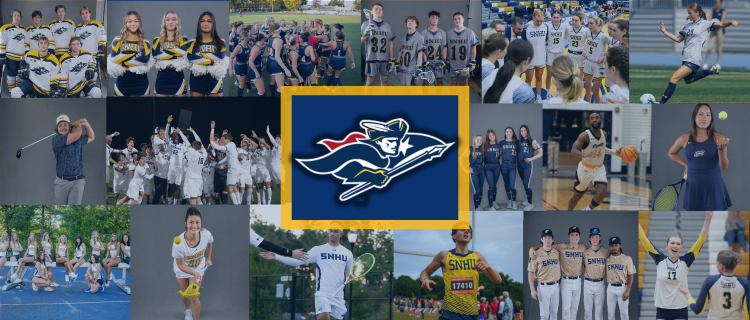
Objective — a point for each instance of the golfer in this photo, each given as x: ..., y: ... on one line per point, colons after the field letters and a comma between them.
x: 68, y: 149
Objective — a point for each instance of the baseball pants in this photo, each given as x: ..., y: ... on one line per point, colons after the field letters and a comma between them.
x: 549, y: 299
x: 593, y: 296
x: 614, y: 297
x: 68, y: 192
x: 570, y: 290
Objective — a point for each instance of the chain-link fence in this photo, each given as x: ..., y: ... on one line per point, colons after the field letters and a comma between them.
x: 292, y: 296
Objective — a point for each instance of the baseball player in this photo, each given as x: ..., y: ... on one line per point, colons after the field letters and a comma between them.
x: 379, y: 38
x: 571, y: 256
x: 593, y: 276
x: 546, y: 270
x: 68, y: 149
x: 620, y: 271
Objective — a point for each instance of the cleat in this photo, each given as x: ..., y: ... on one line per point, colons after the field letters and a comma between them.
x: 715, y: 69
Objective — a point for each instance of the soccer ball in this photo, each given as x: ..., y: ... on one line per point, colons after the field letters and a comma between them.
x: 648, y: 98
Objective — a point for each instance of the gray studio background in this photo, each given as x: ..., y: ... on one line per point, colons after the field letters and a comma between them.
x: 98, y: 13
x: 623, y: 224
x: 497, y: 117
x: 153, y: 282
x: 670, y: 121
x: 152, y: 13
x: 395, y: 13
x: 29, y: 180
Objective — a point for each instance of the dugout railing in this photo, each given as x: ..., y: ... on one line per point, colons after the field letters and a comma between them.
x: 292, y: 296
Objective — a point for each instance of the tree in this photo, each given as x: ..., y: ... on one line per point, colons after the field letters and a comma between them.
x: 357, y: 5
x: 293, y: 4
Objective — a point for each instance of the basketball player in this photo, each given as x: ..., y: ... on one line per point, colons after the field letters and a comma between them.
x: 462, y: 50
x: 578, y: 35
x: 545, y: 269
x: 620, y: 271
x: 593, y: 53
x: 460, y: 268
x: 62, y: 30
x: 557, y: 33
x: 436, y: 42
x: 593, y: 276
x: 536, y: 33
x: 409, y: 62
x: 379, y: 59
x: 591, y: 146
x: 728, y: 292
x: 333, y: 262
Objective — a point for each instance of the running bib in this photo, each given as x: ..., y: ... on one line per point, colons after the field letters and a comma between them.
x: 462, y: 285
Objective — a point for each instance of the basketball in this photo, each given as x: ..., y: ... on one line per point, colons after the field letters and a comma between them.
x: 629, y: 154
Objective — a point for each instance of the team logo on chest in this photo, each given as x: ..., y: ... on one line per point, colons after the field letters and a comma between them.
x: 79, y: 67
x: 36, y: 37
x: 699, y: 153
x: 372, y: 159
x: 84, y: 35
x: 40, y: 71
x: 60, y: 31
x: 19, y: 37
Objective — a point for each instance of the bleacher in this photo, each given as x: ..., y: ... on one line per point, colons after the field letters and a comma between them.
x: 121, y: 282
x: 504, y: 10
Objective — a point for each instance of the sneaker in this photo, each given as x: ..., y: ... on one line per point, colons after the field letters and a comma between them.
x: 70, y: 283
x: 491, y: 209
x: 111, y: 276
x: 496, y: 206
x: 718, y: 66
x: 510, y: 204
x: 549, y: 96
x: 478, y: 209
x: 54, y: 284
x: 18, y: 280
x: 13, y: 277
x: 586, y: 209
x: 525, y: 203
x: 236, y: 83
x: 705, y: 66
x: 188, y: 314
x: 88, y: 290
x: 67, y: 278
x: 75, y: 276
x: 72, y: 275
x: 102, y: 290
x: 715, y: 69
x: 515, y: 207
x: 7, y: 281
x: 106, y: 284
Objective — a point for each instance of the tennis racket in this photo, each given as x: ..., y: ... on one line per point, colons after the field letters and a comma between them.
x: 360, y: 267
x: 666, y: 198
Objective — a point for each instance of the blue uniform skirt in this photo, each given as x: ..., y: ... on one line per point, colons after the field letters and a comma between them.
x: 337, y: 63
x: 251, y: 74
x: 131, y: 84
x: 240, y: 69
x: 305, y: 70
x: 170, y: 82
x: 274, y: 67
x: 205, y: 84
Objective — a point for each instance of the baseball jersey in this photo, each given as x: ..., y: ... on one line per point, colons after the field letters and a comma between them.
x: 461, y: 283
x: 546, y: 267
x: 595, y: 262
x: 62, y: 31
x: 412, y: 46
x: 93, y: 37
x: 493, y: 153
x: 556, y: 37
x: 476, y: 158
x: 596, y: 145
x: 459, y: 47
x: 578, y: 39
x: 44, y: 71
x: 332, y: 265
x: 595, y: 45
x: 537, y: 36
x: 195, y: 257
x: 571, y: 258
x: 619, y: 268
x: 527, y: 149
x: 695, y: 35
x: 377, y: 43
x: 32, y: 37
x: 728, y: 294
x: 76, y: 68
x: 434, y: 43
x: 13, y: 41
x: 670, y: 274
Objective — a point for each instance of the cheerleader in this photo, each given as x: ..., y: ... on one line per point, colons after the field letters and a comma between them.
x: 339, y: 49
x: 617, y: 71
x: 617, y: 30
x: 42, y: 276
x: 62, y: 257
x: 694, y: 33
x: 47, y: 247
x: 241, y: 53
x: 508, y: 86
x: 476, y: 169
x: 16, y: 248
x: 80, y: 253
x: 208, y: 54
x: 593, y: 53
x: 301, y: 55
x: 491, y: 149
x: 125, y: 248
x: 169, y: 53
x: 566, y: 76
x: 578, y: 35
x: 31, y: 248
x: 557, y: 33
x: 672, y: 271
x: 276, y: 66
x: 130, y: 59
x: 728, y: 293
x: 191, y: 259
x: 4, y: 246
x: 528, y: 151
x: 508, y: 151
x: 536, y: 33
x: 94, y: 281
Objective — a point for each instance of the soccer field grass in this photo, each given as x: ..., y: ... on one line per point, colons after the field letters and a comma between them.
x: 729, y: 86
x: 351, y: 24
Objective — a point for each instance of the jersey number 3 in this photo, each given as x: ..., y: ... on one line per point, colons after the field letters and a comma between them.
x: 728, y: 302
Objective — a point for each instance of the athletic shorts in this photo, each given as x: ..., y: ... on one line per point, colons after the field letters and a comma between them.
x: 551, y: 56
x: 276, y: 173
x: 208, y: 186
x: 174, y: 176
x: 240, y: 69
x: 586, y: 175
x: 120, y: 188
x: 376, y: 68
x: 408, y: 79
x: 541, y: 66
x: 671, y: 314
x: 693, y: 67
x: 593, y: 68
x: 134, y: 192
x: 335, y: 306
x: 578, y: 58
x: 262, y: 175
x: 233, y: 177
x: 246, y: 178
x: 193, y: 188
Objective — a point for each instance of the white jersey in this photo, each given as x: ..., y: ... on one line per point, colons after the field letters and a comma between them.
x: 62, y: 32
x: 333, y: 265
x: 276, y: 150
x: 195, y: 257
x: 13, y: 41
x: 695, y: 35
x: 162, y: 162
x: 255, y: 239
x: 177, y: 153
x: 44, y: 71
x: 109, y: 154
x: 232, y: 154
x: 93, y: 37
x: 578, y: 40
x: 613, y: 43
x: 121, y: 178
x: 76, y: 68
x: 139, y: 177
x: 262, y: 155
x: 246, y: 161
x: 596, y: 145
x: 150, y: 166
x: 556, y: 37
x: 194, y: 159
x: 32, y: 37
x: 537, y: 36
x: 596, y: 45
x: 726, y: 295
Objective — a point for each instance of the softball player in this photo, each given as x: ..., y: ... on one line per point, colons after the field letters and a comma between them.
x: 379, y: 59
x: 196, y: 157
x: 208, y: 54
x: 546, y: 270
x: 620, y: 274
x: 536, y: 33
x: 591, y: 147
x: 409, y: 62
x: 593, y: 52
x: 728, y: 292
x: 491, y: 148
x: 508, y: 152
x: 578, y: 35
x: 13, y: 48
x: 671, y: 271
x: 169, y: 53
x: 476, y: 169
x: 528, y: 151
x: 191, y: 258
x: 62, y: 30
x: 37, y: 30
x: 462, y: 50
x: 593, y: 276
x: 694, y: 33
x: 130, y: 59
x: 557, y: 33
x: 436, y: 47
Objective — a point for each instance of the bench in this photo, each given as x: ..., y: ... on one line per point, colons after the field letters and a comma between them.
x: 121, y: 283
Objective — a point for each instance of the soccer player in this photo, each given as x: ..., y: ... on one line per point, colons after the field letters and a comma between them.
x: 235, y: 169
x: 121, y: 179
x: 68, y: 149
x: 409, y: 61
x: 275, y: 163
x: 151, y: 169
x: 41, y: 74
x: 196, y: 157
x: 436, y: 47
x: 62, y: 30
x: 333, y: 262
x: 462, y: 50
x: 13, y: 47
x: 460, y: 267
x: 108, y: 140
x: 37, y: 30
x: 93, y: 35
x: 620, y: 271
x: 379, y: 59
x: 80, y: 66
x: 546, y: 270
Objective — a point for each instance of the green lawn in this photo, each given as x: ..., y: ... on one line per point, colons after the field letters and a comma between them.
x: 351, y: 24
x: 729, y: 86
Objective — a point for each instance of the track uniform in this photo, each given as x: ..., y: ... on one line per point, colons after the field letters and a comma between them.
x: 508, y: 168
x: 556, y: 41
x: 728, y: 294
x: 195, y: 257
x: 258, y: 62
x: 592, y: 170
x: 210, y: 65
x: 476, y: 163
x: 32, y: 37
x: 44, y: 74
x: 537, y: 36
x: 62, y: 31
x: 376, y: 45
x: 12, y: 49
x: 332, y: 266
x: 705, y: 189
x: 546, y: 269
x: 80, y: 70
x: 434, y: 44
x: 577, y: 43
x: 571, y: 262
x: 618, y: 269
x: 171, y: 80
x: 492, y: 171
x: 121, y: 180
x: 595, y: 262
x: 670, y: 303
x: 595, y: 47
x: 126, y: 53
x: 461, y: 286
x: 525, y: 170
x: 93, y: 38
x: 194, y: 177
x: 412, y: 45
x: 459, y: 50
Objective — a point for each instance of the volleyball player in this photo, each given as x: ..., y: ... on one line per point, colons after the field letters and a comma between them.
x: 726, y: 294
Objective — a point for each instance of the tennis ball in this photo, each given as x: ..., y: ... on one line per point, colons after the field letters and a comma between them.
x: 177, y: 240
x: 723, y: 115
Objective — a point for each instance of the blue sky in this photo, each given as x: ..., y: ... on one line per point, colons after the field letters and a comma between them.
x: 498, y: 236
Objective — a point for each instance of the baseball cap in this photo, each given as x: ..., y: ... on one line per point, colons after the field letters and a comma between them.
x: 574, y: 229
x: 614, y: 240
x: 61, y: 118
x: 547, y: 232
x: 595, y: 232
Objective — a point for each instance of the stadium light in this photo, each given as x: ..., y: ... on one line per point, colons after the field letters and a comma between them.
x: 352, y: 237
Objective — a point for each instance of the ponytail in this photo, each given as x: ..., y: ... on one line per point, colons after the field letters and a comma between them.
x: 518, y: 52
x: 565, y: 69
x: 697, y: 8
x: 496, y: 41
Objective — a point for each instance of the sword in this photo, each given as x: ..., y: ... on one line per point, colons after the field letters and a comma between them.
x: 412, y: 161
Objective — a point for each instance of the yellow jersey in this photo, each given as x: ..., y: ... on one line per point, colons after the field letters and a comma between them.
x: 461, y: 283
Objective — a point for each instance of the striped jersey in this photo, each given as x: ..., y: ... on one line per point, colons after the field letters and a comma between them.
x: 76, y: 68
x: 34, y: 33
x: 13, y: 41
x: 459, y: 47
x: 62, y: 31
x: 44, y: 71
x: 461, y: 283
x: 93, y: 37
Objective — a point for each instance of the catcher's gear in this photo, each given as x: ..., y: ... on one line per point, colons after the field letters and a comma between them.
x: 472, y: 64
x: 392, y: 65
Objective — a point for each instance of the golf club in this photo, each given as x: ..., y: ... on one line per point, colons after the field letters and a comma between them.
x: 18, y: 153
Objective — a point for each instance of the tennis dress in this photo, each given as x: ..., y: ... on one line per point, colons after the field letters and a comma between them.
x: 704, y: 187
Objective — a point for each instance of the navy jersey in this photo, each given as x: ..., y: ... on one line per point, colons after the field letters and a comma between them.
x: 264, y: 29
x: 478, y: 160
x: 339, y: 50
x: 244, y: 54
x: 493, y: 153
x: 271, y: 50
x: 235, y: 40
x: 509, y: 150
x: 527, y: 149
x: 258, y: 59
x: 303, y: 58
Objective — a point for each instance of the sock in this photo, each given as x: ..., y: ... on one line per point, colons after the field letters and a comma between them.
x: 249, y: 196
x: 508, y: 194
x: 233, y: 197
x: 477, y: 200
x: 223, y: 198
x: 262, y: 196
x: 337, y: 82
x: 241, y: 195
x: 171, y: 200
x: 701, y: 74
x: 273, y: 90
x: 258, y: 95
x: 328, y: 79
x: 269, y: 191
x: 491, y: 197
x: 239, y: 91
x: 200, y: 203
x: 257, y: 195
x: 668, y: 93
x: 312, y: 84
